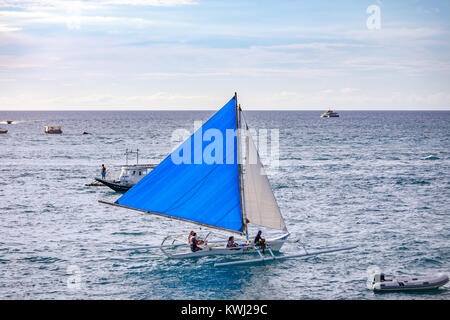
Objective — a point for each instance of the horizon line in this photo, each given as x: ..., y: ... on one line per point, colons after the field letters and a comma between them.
x: 177, y: 110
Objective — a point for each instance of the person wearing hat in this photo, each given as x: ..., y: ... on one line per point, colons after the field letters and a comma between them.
x: 259, y: 241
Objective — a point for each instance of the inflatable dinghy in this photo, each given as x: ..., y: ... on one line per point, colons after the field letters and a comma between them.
x: 407, y: 283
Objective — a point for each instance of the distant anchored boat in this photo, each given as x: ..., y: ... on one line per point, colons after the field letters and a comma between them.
x: 329, y: 114
x: 9, y: 121
x: 53, y: 129
x: 129, y: 174
x: 3, y: 131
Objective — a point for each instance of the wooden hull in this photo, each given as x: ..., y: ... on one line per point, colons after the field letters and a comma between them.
x: 115, y: 186
x: 3, y: 131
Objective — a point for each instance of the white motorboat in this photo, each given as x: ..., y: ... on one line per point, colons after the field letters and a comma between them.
x: 408, y: 283
x: 129, y: 176
x: 53, y: 129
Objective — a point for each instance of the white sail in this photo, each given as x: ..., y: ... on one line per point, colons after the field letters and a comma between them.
x: 261, y: 207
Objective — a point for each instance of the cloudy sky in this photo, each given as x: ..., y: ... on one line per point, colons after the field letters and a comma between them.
x: 194, y: 54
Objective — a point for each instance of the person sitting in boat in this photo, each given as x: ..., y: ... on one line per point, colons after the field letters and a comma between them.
x: 231, y: 243
x: 194, y: 243
x: 199, y: 241
x: 103, y: 171
x: 259, y: 241
x: 191, y: 234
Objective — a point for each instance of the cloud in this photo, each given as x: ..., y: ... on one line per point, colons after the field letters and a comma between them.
x: 14, y: 62
x: 5, y: 28
x: 153, y: 3
x: 288, y: 100
x: 73, y: 19
x: 159, y: 99
x: 353, y: 99
x: 349, y: 90
x: 168, y: 75
x: 76, y: 14
x: 157, y: 53
x: 97, y: 4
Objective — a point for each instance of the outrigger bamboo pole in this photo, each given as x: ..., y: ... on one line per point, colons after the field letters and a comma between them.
x: 271, y: 258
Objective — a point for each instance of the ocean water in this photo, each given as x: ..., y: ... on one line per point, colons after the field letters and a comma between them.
x: 379, y: 180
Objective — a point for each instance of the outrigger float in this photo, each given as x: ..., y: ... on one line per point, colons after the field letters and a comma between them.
x: 219, y: 185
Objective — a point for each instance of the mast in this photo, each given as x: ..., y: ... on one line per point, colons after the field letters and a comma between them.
x: 241, y: 183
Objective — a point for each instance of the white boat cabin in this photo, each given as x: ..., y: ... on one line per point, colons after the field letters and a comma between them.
x: 132, y: 174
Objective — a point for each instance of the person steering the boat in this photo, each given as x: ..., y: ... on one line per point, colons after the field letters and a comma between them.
x: 260, y: 241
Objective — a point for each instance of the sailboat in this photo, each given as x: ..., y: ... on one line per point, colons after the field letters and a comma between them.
x: 216, y: 184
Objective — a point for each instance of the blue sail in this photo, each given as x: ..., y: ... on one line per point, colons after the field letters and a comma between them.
x: 199, y: 181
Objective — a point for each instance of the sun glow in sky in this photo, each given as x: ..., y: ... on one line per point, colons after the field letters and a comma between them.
x: 194, y: 54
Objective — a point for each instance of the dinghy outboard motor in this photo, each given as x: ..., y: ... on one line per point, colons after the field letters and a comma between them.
x: 378, y: 277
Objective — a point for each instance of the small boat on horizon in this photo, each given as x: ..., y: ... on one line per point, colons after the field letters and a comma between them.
x: 9, y: 121
x: 53, y: 129
x: 329, y: 114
